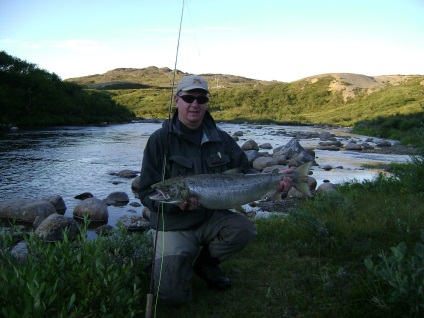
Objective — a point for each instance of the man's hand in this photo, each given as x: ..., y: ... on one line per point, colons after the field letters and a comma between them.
x: 189, y: 205
x: 286, y: 182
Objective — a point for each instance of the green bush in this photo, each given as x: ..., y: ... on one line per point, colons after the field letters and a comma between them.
x: 400, y: 278
x: 99, y: 278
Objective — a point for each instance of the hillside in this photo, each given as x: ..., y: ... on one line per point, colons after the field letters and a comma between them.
x: 156, y: 78
x: 161, y: 78
x: 350, y: 84
x: 335, y: 98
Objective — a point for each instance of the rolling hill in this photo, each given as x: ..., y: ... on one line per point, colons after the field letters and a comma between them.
x: 334, y: 98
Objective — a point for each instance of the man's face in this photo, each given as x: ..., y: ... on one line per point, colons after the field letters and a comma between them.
x: 191, y: 111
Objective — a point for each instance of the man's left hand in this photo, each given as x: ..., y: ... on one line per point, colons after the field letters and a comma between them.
x: 286, y: 182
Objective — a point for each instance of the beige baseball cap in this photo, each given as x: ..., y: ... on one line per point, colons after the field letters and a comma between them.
x: 190, y: 82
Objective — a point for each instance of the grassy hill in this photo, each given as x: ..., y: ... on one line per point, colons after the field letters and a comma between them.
x: 334, y: 99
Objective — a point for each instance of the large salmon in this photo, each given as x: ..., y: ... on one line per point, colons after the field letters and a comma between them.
x: 228, y: 191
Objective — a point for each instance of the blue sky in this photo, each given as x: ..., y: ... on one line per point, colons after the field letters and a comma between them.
x: 282, y: 40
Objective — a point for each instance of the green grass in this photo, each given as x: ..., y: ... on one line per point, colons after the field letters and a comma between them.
x: 355, y: 252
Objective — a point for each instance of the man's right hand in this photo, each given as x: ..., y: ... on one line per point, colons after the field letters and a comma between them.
x: 189, y: 205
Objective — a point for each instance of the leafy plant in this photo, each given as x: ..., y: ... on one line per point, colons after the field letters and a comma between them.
x: 403, y: 277
x: 103, y: 277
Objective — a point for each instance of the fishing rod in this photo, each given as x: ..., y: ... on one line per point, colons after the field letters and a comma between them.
x: 150, y: 295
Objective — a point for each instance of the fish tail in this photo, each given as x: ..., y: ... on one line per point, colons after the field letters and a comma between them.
x: 300, y: 178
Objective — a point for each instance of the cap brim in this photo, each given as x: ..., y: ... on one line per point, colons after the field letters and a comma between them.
x: 192, y: 87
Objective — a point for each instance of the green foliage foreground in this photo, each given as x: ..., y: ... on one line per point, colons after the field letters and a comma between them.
x: 354, y: 252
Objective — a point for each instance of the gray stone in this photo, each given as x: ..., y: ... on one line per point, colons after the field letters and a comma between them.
x: 55, y: 225
x: 25, y: 210
x: 95, y: 209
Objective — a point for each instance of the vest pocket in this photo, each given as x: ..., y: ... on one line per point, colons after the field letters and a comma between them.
x: 180, y: 166
x: 217, y: 163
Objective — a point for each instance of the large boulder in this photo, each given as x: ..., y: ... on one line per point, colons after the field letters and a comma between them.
x: 25, y: 210
x: 250, y: 145
x: 58, y: 203
x: 54, y: 226
x: 262, y: 162
x: 117, y: 198
x: 294, y: 153
x: 95, y: 209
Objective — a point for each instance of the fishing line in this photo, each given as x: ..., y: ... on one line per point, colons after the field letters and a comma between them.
x: 194, y: 32
x: 160, y: 214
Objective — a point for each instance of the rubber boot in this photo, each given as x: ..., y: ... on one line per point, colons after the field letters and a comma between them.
x: 208, y: 269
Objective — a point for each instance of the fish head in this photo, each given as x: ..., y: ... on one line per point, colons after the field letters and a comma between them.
x: 169, y: 193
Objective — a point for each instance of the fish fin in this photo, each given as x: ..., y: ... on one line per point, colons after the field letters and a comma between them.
x: 304, y: 189
x: 301, y: 175
x: 233, y: 171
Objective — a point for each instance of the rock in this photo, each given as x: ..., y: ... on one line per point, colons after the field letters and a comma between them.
x: 83, y: 196
x: 125, y: 174
x: 95, y: 209
x: 38, y: 220
x: 291, y: 149
x: 327, y: 167
x: 135, y: 204
x: 146, y: 213
x: 330, y: 143
x: 135, y: 185
x: 326, y: 187
x: 117, y: 198
x: 104, y: 230
x: 25, y: 210
x: 281, y: 160
x: 238, y: 134
x: 353, y: 146
x: 134, y: 222
x: 366, y: 146
x: 329, y: 147
x: 54, y: 226
x: 20, y: 251
x: 383, y: 144
x: 262, y: 162
x: 325, y: 135
x: 252, y: 155
x: 250, y: 145
x: 266, y: 145
x: 58, y: 203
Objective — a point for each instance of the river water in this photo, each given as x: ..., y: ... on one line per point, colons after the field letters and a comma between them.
x: 67, y: 161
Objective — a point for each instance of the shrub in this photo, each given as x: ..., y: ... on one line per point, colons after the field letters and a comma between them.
x: 402, y: 276
x: 102, y: 277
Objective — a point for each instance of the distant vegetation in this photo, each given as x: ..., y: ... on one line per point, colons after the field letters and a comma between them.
x: 30, y: 96
x: 388, y: 106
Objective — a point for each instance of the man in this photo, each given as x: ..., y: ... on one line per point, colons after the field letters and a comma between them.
x: 191, y: 143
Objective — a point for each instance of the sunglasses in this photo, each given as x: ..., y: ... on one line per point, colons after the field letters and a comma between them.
x: 202, y: 99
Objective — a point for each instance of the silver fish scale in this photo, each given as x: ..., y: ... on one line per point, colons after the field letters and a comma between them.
x: 228, y: 191
x: 231, y: 191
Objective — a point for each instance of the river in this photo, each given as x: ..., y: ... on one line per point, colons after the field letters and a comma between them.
x: 67, y: 161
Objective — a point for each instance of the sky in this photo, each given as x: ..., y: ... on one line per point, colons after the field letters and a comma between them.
x: 283, y: 40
